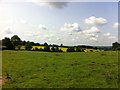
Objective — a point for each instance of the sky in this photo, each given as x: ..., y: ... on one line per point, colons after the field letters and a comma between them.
x: 70, y: 23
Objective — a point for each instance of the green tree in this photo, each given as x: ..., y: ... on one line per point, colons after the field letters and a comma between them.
x: 57, y: 49
x: 116, y: 46
x: 28, y: 46
x: 70, y: 49
x: 8, y: 44
x: 16, y: 40
x: 53, y: 49
x: 77, y: 49
x: 46, y: 47
x: 23, y: 43
x: 36, y: 49
x: 19, y: 47
x: 61, y: 45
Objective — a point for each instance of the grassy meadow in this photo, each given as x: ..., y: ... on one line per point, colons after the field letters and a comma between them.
x: 33, y: 69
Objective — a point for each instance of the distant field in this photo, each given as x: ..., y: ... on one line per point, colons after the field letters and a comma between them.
x: 42, y: 47
x: 28, y: 69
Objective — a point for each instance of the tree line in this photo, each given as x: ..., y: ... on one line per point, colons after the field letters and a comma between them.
x: 15, y: 42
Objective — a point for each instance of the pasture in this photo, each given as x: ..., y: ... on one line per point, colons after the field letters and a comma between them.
x: 32, y: 69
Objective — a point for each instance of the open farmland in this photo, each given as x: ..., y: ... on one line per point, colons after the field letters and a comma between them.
x: 28, y: 69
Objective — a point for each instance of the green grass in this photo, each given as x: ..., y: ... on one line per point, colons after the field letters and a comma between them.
x: 60, y: 70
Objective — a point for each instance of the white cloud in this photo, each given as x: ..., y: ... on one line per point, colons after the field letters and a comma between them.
x: 93, y: 39
x: 111, y: 37
x: 58, y: 39
x: 1, y: 8
x: 116, y: 25
x: 91, y: 30
x: 23, y: 21
x: 48, y: 3
x: 95, y: 21
x: 6, y: 32
x: 108, y: 39
x: 71, y: 27
x: 73, y: 39
x: 91, y: 34
x: 107, y: 34
x: 43, y: 27
x: 49, y: 35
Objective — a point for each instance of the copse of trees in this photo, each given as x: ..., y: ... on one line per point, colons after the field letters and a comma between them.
x: 28, y: 46
x: 55, y: 48
x: 7, y: 44
x: 16, y: 43
x: 116, y: 46
x: 70, y: 49
x: 78, y: 49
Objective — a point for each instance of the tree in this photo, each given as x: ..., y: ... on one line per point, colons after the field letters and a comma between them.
x: 78, y: 49
x: 19, y: 47
x: 46, y: 47
x: 32, y: 43
x: 8, y: 44
x: 53, y: 49
x: 116, y: 46
x: 57, y: 49
x: 36, y: 49
x: 70, y: 49
x: 16, y: 40
x: 61, y: 45
x: 28, y: 46
x: 23, y: 43
x: 37, y: 44
x: 60, y: 50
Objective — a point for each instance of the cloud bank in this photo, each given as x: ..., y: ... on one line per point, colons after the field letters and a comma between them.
x: 95, y: 21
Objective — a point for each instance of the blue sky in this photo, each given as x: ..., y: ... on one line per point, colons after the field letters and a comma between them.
x: 70, y: 23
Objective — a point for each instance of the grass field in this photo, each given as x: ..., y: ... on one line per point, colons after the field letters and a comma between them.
x: 28, y: 69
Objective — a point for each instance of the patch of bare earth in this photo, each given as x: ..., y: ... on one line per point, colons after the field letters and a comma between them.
x: 3, y: 79
x: 0, y: 80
